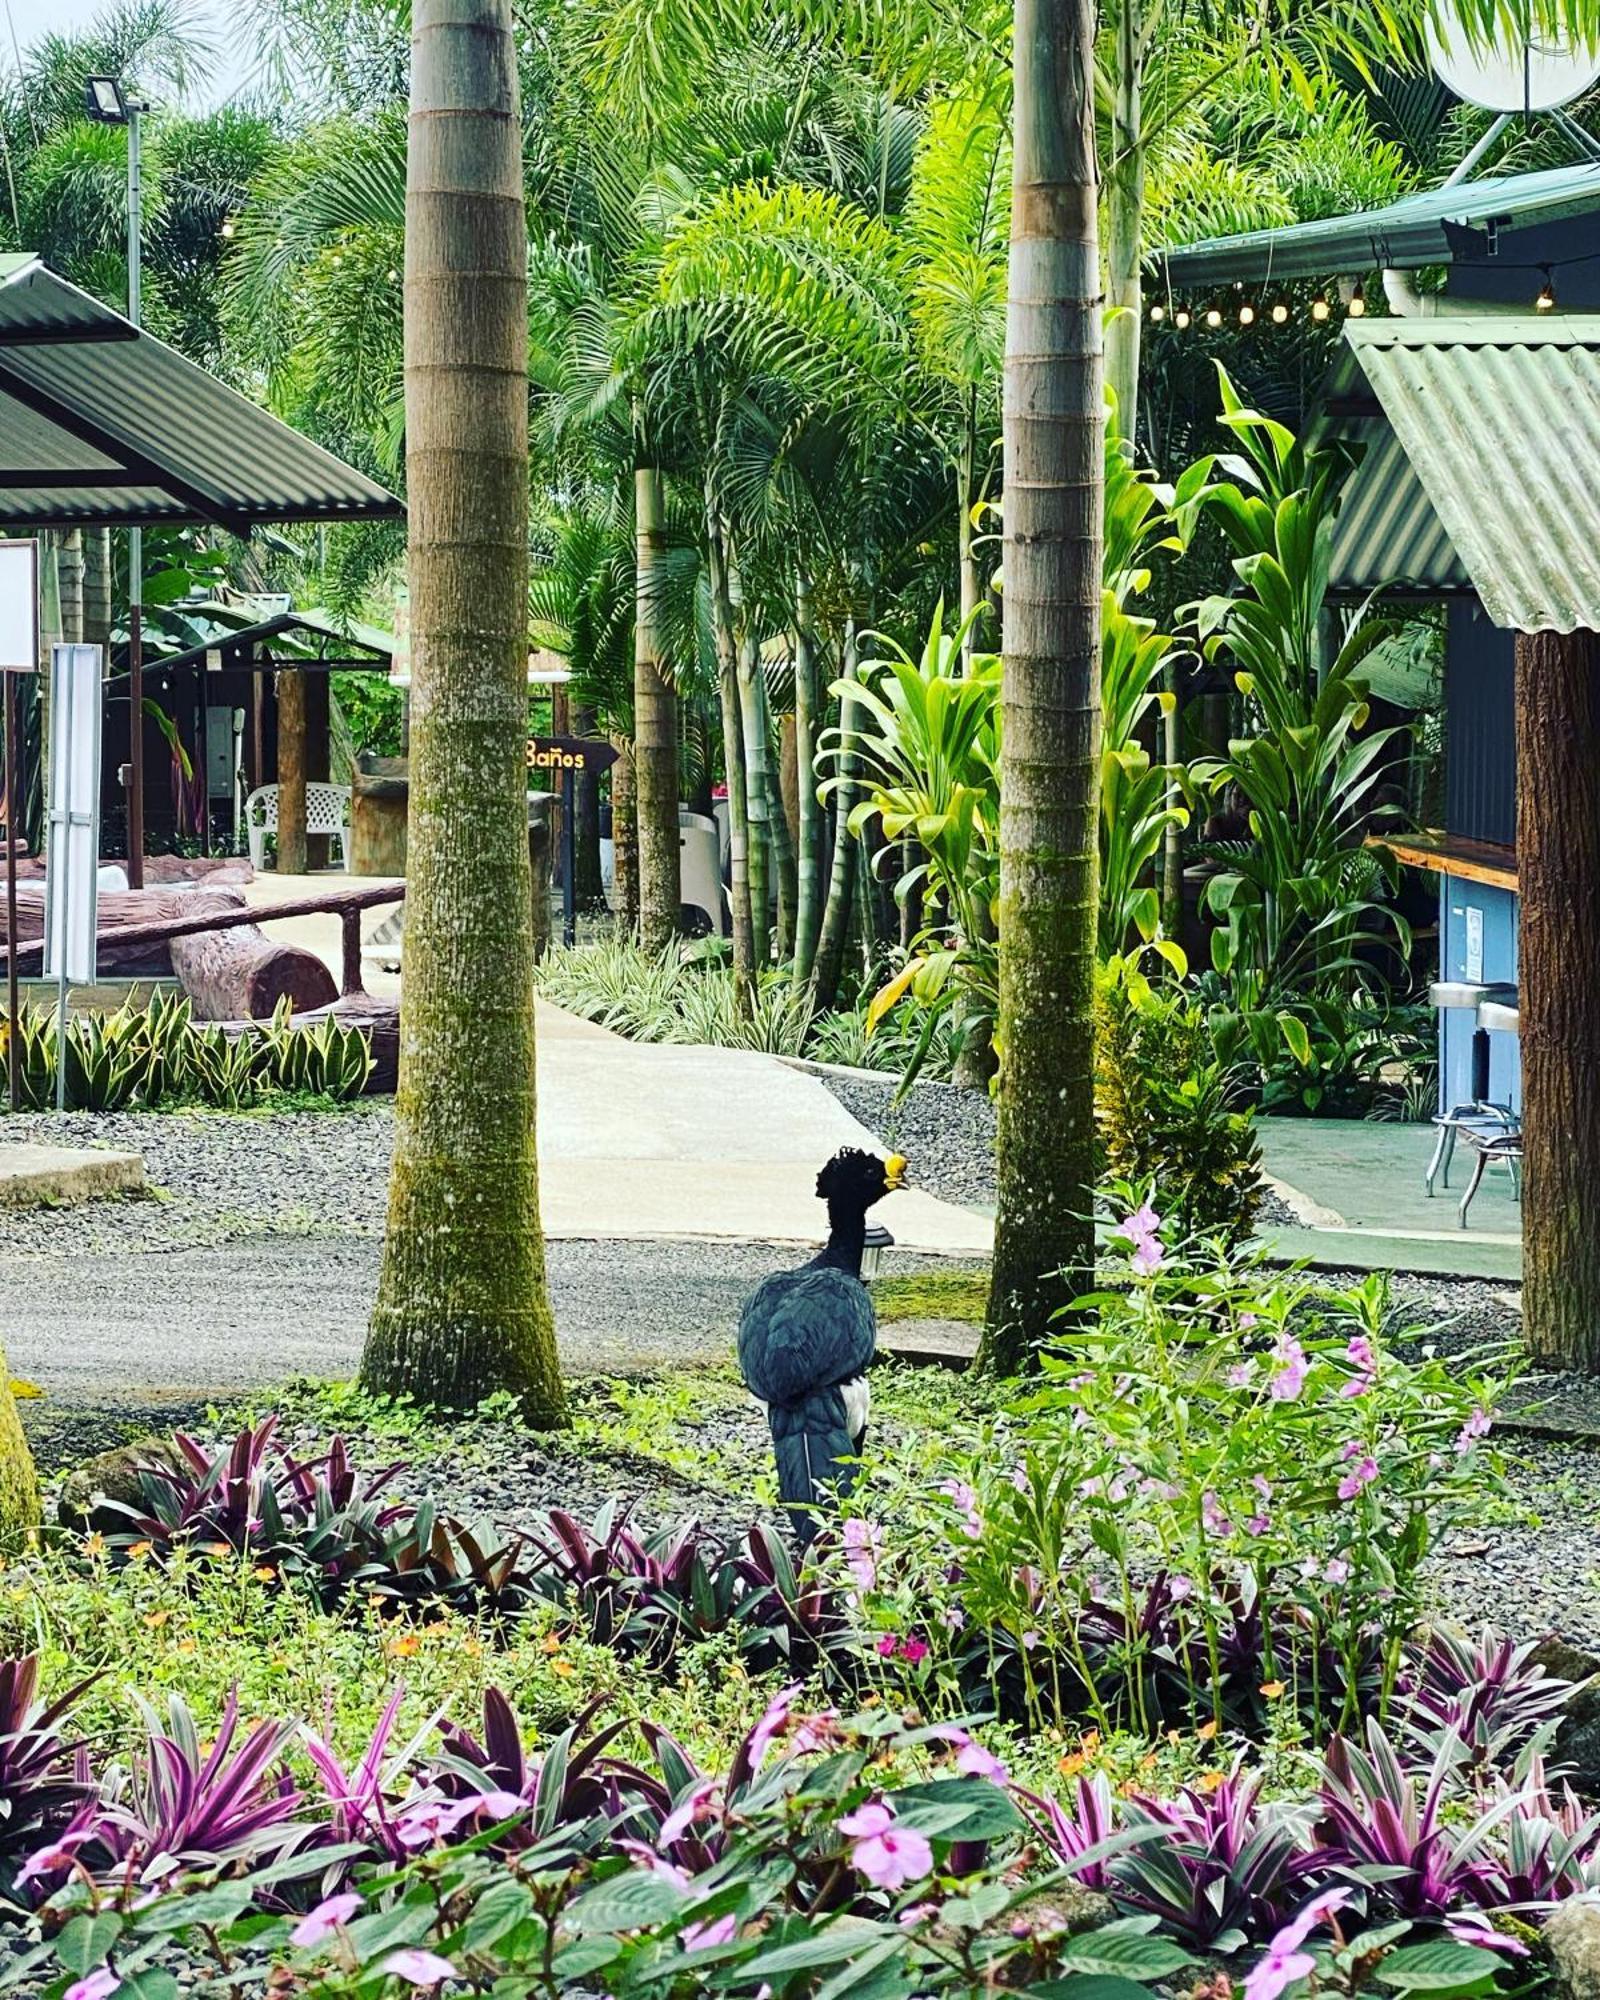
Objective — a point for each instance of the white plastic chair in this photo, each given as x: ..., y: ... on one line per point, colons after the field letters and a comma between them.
x: 327, y: 811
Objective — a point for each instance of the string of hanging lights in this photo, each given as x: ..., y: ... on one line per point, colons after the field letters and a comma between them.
x: 1246, y: 311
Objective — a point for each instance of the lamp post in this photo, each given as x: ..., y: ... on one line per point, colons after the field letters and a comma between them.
x: 108, y: 103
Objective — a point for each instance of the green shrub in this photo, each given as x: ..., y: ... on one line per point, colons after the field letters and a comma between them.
x: 1166, y: 1107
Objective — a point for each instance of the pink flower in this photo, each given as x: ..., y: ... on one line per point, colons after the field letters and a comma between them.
x: 96, y: 1986
x: 691, y: 1809
x: 1258, y: 1524
x: 1337, y: 1571
x: 913, y: 1649
x: 1361, y: 1475
x: 1290, y: 1379
x: 772, y: 1724
x: 952, y: 1618
x: 1147, y: 1258
x: 1140, y: 1229
x: 418, y: 1968
x: 887, y: 1855
x: 1030, y: 1639
x: 1477, y: 1426
x: 888, y: 1646
x: 721, y: 1930
x: 1211, y: 1513
x: 1241, y: 1375
x: 862, y: 1541
x: 973, y: 1761
x: 1474, y: 1927
x: 967, y: 1504
x: 47, y: 1860
x: 321, y: 1923
x: 1285, y: 1962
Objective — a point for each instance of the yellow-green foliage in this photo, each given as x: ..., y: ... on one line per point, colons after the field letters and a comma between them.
x: 19, y: 1488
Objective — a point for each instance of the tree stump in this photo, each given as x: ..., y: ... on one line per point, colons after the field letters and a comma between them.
x: 380, y: 794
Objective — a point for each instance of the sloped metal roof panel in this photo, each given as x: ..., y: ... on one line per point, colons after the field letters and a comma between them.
x: 1400, y: 236
x: 1388, y: 531
x: 1500, y: 420
x: 102, y: 423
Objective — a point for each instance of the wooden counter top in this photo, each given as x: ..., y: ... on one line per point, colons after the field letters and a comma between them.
x: 1454, y: 854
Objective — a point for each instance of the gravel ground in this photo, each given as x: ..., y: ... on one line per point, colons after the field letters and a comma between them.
x: 945, y: 1132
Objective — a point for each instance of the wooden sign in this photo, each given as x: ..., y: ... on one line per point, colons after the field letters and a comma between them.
x: 569, y: 753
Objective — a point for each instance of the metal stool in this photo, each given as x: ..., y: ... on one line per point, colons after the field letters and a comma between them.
x: 1494, y: 1147
x: 1477, y: 1112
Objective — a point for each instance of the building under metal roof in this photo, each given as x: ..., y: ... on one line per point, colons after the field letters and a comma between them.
x: 1499, y: 418
x: 103, y: 424
x: 1428, y: 228
x: 244, y: 635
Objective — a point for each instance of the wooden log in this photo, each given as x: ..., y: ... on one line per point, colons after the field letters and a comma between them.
x: 291, y: 685
x: 243, y: 974
x: 131, y: 910
x: 380, y: 794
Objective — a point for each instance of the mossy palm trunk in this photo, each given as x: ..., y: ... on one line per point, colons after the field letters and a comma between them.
x: 808, y: 846
x: 1558, y: 874
x: 1044, y: 1238
x: 655, y: 730
x: 463, y: 1309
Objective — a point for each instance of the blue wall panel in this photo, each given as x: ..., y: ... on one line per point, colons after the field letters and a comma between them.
x: 1497, y: 908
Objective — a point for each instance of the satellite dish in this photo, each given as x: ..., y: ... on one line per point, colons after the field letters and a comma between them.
x: 1532, y: 73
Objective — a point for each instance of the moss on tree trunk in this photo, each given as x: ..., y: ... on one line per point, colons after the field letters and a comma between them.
x: 1558, y: 876
x: 463, y: 1309
x: 655, y: 728
x: 1044, y: 1238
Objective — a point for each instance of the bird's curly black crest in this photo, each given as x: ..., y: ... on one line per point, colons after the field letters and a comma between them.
x: 852, y: 1172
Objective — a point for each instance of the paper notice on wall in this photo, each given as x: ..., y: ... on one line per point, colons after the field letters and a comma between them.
x: 1474, y: 944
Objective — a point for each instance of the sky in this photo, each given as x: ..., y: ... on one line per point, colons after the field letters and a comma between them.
x: 27, y: 20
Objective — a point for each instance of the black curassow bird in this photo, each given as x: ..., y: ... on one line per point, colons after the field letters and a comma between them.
x: 806, y: 1337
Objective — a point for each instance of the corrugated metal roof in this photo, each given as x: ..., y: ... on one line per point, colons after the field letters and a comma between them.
x: 1413, y: 231
x: 1500, y: 419
x: 1387, y: 531
x: 102, y: 423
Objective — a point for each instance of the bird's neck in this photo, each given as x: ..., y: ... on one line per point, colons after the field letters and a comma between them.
x: 847, y: 1237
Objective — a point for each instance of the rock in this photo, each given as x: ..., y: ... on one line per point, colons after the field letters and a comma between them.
x: 1577, y: 1744
x: 1572, y: 1933
x: 113, y: 1476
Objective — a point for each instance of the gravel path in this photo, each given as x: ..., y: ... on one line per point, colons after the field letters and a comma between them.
x: 946, y: 1133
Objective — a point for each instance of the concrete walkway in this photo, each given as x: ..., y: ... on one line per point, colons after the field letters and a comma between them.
x: 641, y: 1140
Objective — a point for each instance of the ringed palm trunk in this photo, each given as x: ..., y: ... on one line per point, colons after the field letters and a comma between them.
x: 624, y: 834
x: 69, y: 570
x: 837, y: 910
x: 655, y: 725
x: 758, y: 790
x: 463, y: 1309
x: 744, y: 950
x: 808, y: 845
x: 1125, y: 218
x: 1044, y: 1237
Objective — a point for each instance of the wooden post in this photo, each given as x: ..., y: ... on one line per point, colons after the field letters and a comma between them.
x: 318, y: 761
x: 291, y: 685
x: 1558, y: 951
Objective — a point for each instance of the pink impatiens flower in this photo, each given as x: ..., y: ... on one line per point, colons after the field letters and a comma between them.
x: 1477, y: 1426
x: 772, y: 1724
x: 1362, y: 1359
x: 98, y: 1985
x: 418, y: 1968
x: 1290, y: 1379
x: 913, y: 1649
x: 1285, y: 1961
x: 1141, y: 1229
x: 320, y: 1924
x: 888, y: 1855
x: 1361, y: 1474
x: 720, y: 1930
x: 692, y: 1808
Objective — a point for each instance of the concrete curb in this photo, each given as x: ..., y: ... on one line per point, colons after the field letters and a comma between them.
x: 39, y: 1176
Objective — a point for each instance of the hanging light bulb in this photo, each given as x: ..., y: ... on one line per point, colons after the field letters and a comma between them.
x: 1158, y: 312
x: 1213, y: 315
x: 1320, y: 309
x: 1181, y: 318
x: 1358, y: 304
x: 1247, y: 314
x: 1546, y: 301
x: 1280, y: 313
x: 227, y: 225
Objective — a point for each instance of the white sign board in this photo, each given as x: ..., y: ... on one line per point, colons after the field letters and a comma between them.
x: 19, y: 607
x: 72, y: 858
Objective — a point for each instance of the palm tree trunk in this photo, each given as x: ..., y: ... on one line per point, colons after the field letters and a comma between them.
x: 835, y: 929
x: 69, y: 569
x: 1044, y: 1238
x: 97, y: 587
x: 744, y: 948
x: 808, y: 855
x: 758, y: 770
x: 588, y: 875
x: 624, y: 836
x: 1125, y: 219
x: 781, y: 841
x: 655, y: 724
x: 966, y: 555
x: 463, y: 1310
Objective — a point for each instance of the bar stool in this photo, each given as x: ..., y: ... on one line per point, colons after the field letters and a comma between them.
x: 1477, y: 1111
x: 1494, y: 1146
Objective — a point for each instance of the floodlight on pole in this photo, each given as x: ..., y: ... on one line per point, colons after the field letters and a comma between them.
x: 105, y: 101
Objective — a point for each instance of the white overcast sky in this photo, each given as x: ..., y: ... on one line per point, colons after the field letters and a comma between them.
x: 226, y: 26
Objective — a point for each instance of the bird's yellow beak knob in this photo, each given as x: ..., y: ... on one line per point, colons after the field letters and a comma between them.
x: 894, y: 1170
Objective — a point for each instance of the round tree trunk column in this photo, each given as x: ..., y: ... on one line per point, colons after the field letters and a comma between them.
x: 380, y: 797
x: 1558, y: 874
x: 291, y: 686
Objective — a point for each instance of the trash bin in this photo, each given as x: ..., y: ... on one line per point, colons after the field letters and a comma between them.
x: 380, y: 793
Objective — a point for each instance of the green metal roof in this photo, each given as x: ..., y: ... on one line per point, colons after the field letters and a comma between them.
x: 101, y: 423
x: 1387, y: 531
x: 1499, y: 417
x: 1407, y: 233
x: 312, y: 636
